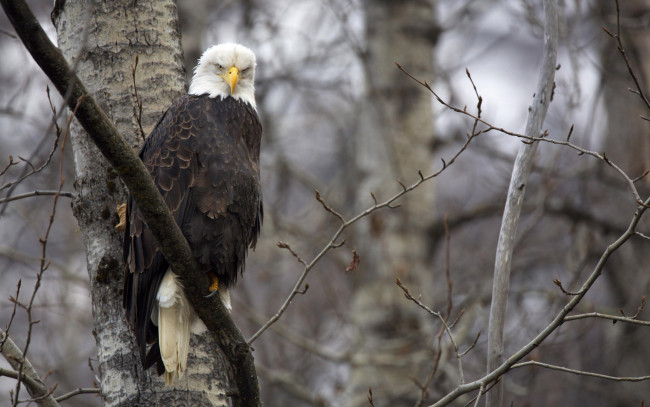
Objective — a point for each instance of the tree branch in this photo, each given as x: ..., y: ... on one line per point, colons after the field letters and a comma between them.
x: 514, y: 202
x: 582, y: 372
x: 25, y: 372
x: 38, y: 193
x: 613, y: 318
x: 156, y: 214
x: 76, y: 392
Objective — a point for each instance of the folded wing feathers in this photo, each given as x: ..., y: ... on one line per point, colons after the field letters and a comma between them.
x: 174, y: 315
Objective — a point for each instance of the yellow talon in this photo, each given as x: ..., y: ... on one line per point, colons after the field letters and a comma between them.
x: 215, y: 283
x: 121, y: 211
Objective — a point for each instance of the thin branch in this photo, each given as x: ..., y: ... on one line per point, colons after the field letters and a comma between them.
x: 639, y: 88
x: 558, y: 283
x: 581, y: 372
x: 9, y: 165
x: 642, y: 235
x: 14, y: 375
x: 38, y: 193
x: 614, y: 318
x: 14, y: 300
x: 444, y: 324
x: 478, y: 396
x: 26, y: 173
x: 26, y: 373
x: 424, y: 388
x: 137, y: 109
x: 328, y: 208
x: 285, y: 245
x: 76, y: 392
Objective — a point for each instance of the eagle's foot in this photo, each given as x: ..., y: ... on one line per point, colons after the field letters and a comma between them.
x: 214, y: 286
x: 215, y: 282
x: 121, y: 212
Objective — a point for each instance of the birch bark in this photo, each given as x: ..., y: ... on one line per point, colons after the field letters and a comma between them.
x: 101, y: 41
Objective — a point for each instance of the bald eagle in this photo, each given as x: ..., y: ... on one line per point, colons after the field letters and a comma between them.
x: 204, y: 157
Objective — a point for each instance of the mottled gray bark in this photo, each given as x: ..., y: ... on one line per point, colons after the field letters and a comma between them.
x: 101, y: 40
x: 394, y: 142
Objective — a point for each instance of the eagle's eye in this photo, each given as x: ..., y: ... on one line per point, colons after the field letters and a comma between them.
x: 220, y: 67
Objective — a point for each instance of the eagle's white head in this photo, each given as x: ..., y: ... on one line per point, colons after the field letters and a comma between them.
x: 226, y: 70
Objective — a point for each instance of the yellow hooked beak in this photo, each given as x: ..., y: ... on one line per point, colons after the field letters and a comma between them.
x: 231, y: 78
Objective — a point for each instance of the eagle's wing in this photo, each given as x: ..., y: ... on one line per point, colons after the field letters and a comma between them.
x: 204, y: 157
x: 168, y: 156
x: 227, y: 193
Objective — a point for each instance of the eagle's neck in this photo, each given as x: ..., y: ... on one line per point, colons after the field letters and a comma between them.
x: 215, y: 87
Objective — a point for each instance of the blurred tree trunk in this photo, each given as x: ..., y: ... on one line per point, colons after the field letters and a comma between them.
x: 193, y: 16
x: 394, y: 142
x: 627, y: 139
x: 627, y: 143
x: 101, y: 41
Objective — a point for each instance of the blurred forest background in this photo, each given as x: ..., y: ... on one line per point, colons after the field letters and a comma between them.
x: 339, y: 117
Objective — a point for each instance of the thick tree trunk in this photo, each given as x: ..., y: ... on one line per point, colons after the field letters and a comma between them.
x: 101, y: 40
x: 394, y: 142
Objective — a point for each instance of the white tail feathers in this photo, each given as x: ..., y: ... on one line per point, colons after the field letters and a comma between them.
x: 174, y: 317
x: 224, y: 295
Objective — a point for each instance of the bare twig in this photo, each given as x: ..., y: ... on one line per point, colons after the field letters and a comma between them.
x: 442, y: 321
x: 76, y: 392
x: 38, y: 193
x: 581, y: 372
x: 328, y: 208
x: 638, y: 309
x: 639, y: 88
x: 137, y: 109
x: 614, y: 318
x: 26, y: 173
x: 372, y: 404
x: 564, y: 291
x: 14, y: 300
x: 9, y: 165
x: 478, y: 396
x: 424, y: 387
x: 285, y: 245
